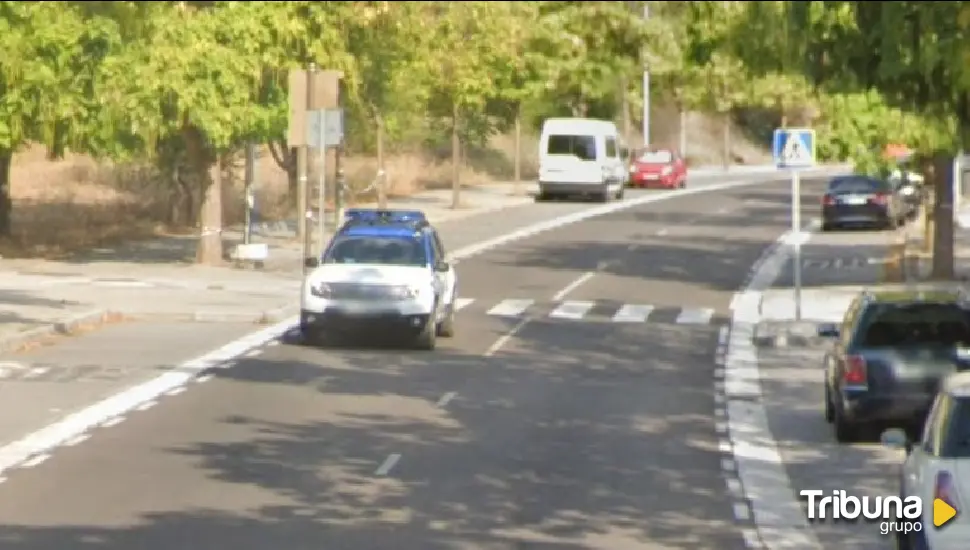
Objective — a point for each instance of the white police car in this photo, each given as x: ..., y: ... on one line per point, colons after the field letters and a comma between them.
x: 384, y: 271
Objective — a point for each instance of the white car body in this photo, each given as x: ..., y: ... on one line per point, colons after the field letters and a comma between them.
x: 926, y: 462
x: 598, y: 169
x: 426, y: 289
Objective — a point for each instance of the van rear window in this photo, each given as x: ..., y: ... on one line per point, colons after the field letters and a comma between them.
x: 583, y: 147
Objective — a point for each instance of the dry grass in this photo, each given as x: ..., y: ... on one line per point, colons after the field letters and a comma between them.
x: 73, y: 204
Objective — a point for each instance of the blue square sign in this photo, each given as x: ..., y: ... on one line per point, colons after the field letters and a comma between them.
x: 793, y: 147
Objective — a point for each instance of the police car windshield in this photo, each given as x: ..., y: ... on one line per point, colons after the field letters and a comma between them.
x: 377, y: 251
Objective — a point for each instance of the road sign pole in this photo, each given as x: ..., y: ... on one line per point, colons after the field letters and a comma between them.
x: 796, y: 232
x: 321, y: 190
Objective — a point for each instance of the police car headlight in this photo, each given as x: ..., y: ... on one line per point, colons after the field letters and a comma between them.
x: 321, y: 290
x: 404, y: 292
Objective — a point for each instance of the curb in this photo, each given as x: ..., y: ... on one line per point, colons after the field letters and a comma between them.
x: 99, y: 317
x: 66, y: 327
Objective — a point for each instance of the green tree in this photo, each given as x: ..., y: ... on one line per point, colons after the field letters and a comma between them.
x: 47, y: 82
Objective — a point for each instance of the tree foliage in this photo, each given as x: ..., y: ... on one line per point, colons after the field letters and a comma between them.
x: 187, y: 83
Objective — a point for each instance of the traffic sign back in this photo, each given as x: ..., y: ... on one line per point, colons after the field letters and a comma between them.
x: 793, y: 147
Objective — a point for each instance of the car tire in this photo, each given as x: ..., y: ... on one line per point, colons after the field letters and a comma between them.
x: 427, y: 340
x: 845, y: 430
x: 446, y: 328
x: 826, y: 227
x: 829, y: 408
x: 682, y: 184
x: 619, y: 194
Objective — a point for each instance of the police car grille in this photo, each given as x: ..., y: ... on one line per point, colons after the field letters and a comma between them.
x: 354, y: 291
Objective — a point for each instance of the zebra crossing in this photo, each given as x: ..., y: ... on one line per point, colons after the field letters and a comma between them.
x: 586, y: 310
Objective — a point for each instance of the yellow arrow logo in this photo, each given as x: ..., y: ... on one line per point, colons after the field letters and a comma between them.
x: 942, y: 512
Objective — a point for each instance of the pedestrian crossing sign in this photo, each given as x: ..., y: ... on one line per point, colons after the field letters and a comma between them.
x: 793, y: 147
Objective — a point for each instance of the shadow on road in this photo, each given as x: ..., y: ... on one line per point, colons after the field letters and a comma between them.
x: 574, y: 437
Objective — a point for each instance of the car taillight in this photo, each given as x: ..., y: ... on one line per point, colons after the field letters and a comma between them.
x: 945, y: 490
x: 880, y: 198
x: 855, y: 371
x: 828, y: 200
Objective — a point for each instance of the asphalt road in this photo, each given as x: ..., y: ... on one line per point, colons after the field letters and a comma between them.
x: 533, y: 430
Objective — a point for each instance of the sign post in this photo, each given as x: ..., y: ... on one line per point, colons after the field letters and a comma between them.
x: 326, y: 130
x: 793, y: 149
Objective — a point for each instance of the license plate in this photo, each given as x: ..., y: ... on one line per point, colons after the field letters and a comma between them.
x: 650, y: 176
x: 854, y: 200
x: 360, y: 308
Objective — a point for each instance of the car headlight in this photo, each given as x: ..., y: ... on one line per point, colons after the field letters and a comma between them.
x: 666, y: 170
x: 633, y: 169
x: 405, y: 292
x: 321, y: 290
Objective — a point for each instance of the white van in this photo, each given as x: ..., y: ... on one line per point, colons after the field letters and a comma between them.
x: 580, y: 156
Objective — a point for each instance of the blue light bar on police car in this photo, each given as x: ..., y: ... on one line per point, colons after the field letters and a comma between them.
x: 375, y: 214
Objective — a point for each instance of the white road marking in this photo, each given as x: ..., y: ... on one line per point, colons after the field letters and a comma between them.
x: 722, y: 335
x: 445, y: 399
x: 741, y: 511
x: 728, y: 465
x: 388, y: 464
x: 35, y: 460
x: 751, y: 538
x: 779, y: 518
x: 734, y: 487
x: 112, y: 422
x: 146, y: 405
x: 204, y: 378
x: 837, y: 263
x: 573, y: 285
x: 510, y: 308
x: 571, y: 310
x: 504, y: 339
x: 661, y: 232
x: 462, y: 303
x: 633, y: 313
x: 694, y: 316
x: 175, y: 391
x: 36, y: 371
x: 253, y: 353
x: 80, y: 438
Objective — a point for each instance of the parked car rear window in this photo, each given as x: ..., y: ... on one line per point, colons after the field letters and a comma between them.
x: 857, y: 185
x: 956, y: 439
x: 908, y: 325
x: 583, y: 147
x: 656, y: 157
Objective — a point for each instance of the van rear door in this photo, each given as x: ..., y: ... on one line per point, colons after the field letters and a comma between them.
x: 569, y: 158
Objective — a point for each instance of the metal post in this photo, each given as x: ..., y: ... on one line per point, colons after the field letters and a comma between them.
x: 646, y: 88
x: 338, y: 187
x: 303, y: 168
x: 796, y: 232
x: 321, y: 191
x: 249, y: 183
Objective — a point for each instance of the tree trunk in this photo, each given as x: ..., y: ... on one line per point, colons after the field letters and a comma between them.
x: 683, y: 132
x: 209, y: 251
x: 455, y: 158
x: 518, y: 151
x: 727, y: 140
x: 381, y: 178
x: 6, y: 204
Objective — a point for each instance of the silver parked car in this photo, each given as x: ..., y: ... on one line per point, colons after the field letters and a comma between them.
x: 938, y: 466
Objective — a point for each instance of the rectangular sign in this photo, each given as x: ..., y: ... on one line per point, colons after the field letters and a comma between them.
x: 793, y: 147
x: 325, y: 128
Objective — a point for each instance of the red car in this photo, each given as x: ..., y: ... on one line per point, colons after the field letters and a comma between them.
x: 658, y: 168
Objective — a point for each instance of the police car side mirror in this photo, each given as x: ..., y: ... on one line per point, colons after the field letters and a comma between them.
x: 442, y: 267
x: 311, y: 262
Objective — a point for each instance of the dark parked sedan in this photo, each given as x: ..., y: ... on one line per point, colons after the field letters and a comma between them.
x: 861, y: 201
